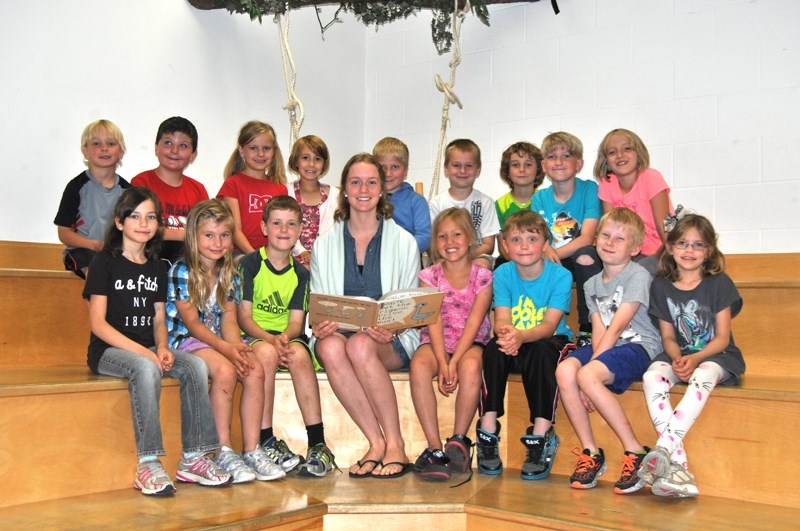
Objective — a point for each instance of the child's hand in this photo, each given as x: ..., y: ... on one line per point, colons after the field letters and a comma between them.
x: 281, y: 342
x: 304, y: 258
x: 445, y: 380
x: 684, y: 366
x: 509, y: 340
x: 587, y: 403
x: 380, y: 335
x: 165, y: 358
x: 551, y: 255
x: 324, y: 329
x: 238, y: 354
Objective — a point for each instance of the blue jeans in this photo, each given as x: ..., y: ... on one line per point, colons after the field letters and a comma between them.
x: 198, y: 431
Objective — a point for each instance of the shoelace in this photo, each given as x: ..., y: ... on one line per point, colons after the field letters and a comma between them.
x: 322, y: 453
x: 471, y: 454
x: 488, y: 451
x: 585, y: 462
x: 628, y: 464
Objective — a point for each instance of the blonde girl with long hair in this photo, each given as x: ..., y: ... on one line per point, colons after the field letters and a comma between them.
x: 202, y: 293
x: 253, y: 175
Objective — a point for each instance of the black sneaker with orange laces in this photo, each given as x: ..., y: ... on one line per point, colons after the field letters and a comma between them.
x: 588, y: 469
x: 629, y: 480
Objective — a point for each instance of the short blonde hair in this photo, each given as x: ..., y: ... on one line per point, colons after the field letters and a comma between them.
x: 627, y: 218
x: 563, y: 139
x: 465, y: 145
x: 107, y: 127
x: 391, y: 147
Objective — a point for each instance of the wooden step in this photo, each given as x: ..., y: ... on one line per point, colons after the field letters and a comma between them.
x: 339, y: 503
x: 29, y: 255
x: 88, y: 417
x: 257, y: 505
x: 511, y: 503
x: 736, y: 448
x: 46, y: 320
x: 742, y: 432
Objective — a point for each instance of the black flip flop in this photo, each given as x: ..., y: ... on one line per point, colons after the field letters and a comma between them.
x: 361, y: 464
x: 402, y: 472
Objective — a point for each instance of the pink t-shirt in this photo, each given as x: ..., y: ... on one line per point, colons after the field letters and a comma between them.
x: 252, y: 195
x: 457, y: 304
x: 648, y: 184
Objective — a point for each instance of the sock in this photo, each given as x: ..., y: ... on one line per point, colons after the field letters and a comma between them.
x: 146, y: 458
x: 266, y: 434
x: 191, y: 456
x: 316, y: 434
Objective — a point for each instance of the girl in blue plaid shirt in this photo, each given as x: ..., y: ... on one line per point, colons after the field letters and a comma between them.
x: 202, y: 295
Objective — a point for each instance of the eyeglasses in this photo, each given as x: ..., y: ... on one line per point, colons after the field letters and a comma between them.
x: 696, y: 246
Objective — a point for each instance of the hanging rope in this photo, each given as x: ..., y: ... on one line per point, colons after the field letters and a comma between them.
x: 293, y: 105
x: 447, y: 89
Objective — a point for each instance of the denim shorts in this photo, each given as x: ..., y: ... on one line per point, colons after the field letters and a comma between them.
x: 626, y: 362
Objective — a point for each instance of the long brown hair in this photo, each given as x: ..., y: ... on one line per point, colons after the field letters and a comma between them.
x: 384, y: 206
x: 714, y: 263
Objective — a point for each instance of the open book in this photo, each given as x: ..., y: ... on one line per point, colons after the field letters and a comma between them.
x: 402, y: 308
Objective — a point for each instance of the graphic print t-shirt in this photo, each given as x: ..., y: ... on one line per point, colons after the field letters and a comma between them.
x: 529, y: 300
x: 632, y: 284
x: 252, y: 194
x: 693, y: 314
x: 132, y: 291
x: 274, y: 293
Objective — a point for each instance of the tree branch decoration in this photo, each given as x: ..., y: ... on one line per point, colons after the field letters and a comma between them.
x: 370, y: 13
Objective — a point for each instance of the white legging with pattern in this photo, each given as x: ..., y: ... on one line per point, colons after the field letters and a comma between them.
x: 672, y: 424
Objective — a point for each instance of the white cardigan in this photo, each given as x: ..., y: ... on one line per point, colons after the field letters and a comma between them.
x: 399, y: 266
x: 326, y: 211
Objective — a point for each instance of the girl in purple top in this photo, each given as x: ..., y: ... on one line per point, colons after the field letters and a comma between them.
x: 452, y: 349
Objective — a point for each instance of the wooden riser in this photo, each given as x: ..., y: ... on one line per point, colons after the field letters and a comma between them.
x: 512, y: 504
x: 49, y: 440
x: 89, y: 435
x: 737, y: 448
x: 46, y: 322
x: 248, y: 506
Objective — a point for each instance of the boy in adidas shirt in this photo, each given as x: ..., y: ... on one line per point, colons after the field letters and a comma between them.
x: 272, y: 314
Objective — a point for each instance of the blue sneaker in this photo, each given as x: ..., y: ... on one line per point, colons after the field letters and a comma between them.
x: 540, y: 453
x: 489, y: 461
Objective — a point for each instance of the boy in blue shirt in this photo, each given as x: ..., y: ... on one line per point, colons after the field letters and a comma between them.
x: 572, y: 209
x: 531, y: 296
x: 624, y: 341
x: 410, y: 208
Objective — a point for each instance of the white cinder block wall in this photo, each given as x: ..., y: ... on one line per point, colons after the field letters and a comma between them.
x: 711, y: 86
x: 65, y: 64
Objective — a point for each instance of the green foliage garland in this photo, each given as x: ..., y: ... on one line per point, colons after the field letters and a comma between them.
x: 370, y: 13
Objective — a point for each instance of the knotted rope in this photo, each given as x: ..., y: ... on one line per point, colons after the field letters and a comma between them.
x: 293, y: 105
x: 450, y: 97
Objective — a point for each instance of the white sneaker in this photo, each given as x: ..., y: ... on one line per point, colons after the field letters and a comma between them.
x: 264, y: 468
x: 280, y: 453
x: 232, y: 463
x: 678, y: 483
x: 152, y: 479
x: 655, y: 465
x: 203, y: 471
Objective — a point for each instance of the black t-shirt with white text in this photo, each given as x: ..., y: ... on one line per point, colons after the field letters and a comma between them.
x: 132, y: 290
